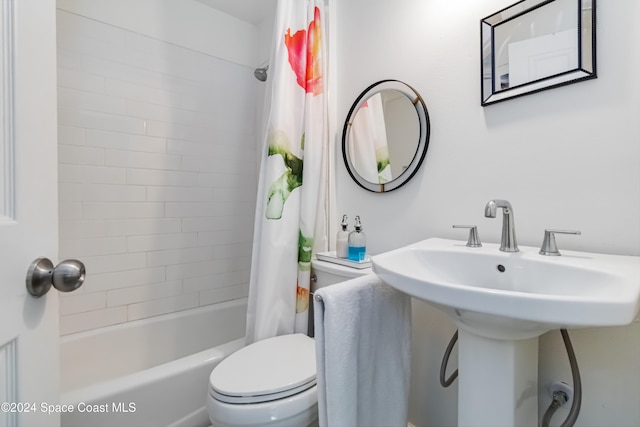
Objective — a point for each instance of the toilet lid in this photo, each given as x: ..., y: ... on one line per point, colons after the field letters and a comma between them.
x: 270, y: 369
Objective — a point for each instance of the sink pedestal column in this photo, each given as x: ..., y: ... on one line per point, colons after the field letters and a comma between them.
x: 498, y: 382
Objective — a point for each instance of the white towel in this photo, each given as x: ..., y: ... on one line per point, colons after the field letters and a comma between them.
x: 363, y: 334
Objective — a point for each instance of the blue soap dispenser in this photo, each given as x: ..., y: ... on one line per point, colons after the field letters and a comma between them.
x: 357, y: 243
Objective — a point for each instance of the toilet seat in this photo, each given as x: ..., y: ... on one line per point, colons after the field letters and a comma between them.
x: 271, y: 369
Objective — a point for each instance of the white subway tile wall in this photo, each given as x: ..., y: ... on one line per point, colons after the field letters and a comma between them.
x: 157, y: 181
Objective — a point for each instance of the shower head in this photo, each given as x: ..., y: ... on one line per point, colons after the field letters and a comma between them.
x: 261, y: 73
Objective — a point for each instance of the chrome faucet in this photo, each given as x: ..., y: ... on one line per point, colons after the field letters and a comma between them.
x: 508, y: 242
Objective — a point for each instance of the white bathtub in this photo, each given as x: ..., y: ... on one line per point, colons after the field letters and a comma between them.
x: 152, y: 372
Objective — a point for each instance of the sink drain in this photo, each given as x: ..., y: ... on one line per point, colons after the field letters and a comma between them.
x: 501, y: 268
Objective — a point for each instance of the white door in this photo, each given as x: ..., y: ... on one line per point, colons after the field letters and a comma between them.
x: 29, y: 356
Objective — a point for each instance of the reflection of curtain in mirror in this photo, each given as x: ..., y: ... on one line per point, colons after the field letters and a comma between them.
x: 369, y: 149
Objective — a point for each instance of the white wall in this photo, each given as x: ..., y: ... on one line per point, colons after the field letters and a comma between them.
x: 265, y: 37
x: 185, y: 23
x: 565, y: 158
x: 155, y: 136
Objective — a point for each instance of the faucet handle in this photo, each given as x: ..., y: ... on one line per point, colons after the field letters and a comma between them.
x: 549, y: 246
x: 473, y: 241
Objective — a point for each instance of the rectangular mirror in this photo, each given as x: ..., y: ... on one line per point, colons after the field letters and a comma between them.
x: 535, y: 45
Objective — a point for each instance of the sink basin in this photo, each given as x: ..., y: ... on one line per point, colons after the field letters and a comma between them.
x: 515, y: 295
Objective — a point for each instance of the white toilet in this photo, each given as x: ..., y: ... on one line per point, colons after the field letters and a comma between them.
x: 272, y: 382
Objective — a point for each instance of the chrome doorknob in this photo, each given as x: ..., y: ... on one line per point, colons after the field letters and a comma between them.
x: 67, y: 276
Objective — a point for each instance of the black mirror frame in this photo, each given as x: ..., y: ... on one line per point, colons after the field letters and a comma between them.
x: 549, y: 82
x: 422, y: 143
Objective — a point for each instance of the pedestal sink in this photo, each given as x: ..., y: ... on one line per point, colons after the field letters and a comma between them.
x: 501, y: 302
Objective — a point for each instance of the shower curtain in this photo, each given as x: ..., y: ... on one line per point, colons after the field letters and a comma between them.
x: 289, y: 220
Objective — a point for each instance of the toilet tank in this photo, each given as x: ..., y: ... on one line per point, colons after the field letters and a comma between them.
x: 325, y: 273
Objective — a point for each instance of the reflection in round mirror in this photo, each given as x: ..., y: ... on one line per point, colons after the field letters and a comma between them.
x: 385, y: 136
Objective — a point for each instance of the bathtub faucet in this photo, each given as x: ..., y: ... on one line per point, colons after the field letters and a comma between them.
x: 508, y: 242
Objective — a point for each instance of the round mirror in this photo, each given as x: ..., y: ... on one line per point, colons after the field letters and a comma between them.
x: 385, y: 136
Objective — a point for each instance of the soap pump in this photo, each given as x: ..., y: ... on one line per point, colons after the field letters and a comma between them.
x: 357, y: 243
x: 342, y: 239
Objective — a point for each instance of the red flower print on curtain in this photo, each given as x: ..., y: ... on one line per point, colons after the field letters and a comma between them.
x: 304, y: 55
